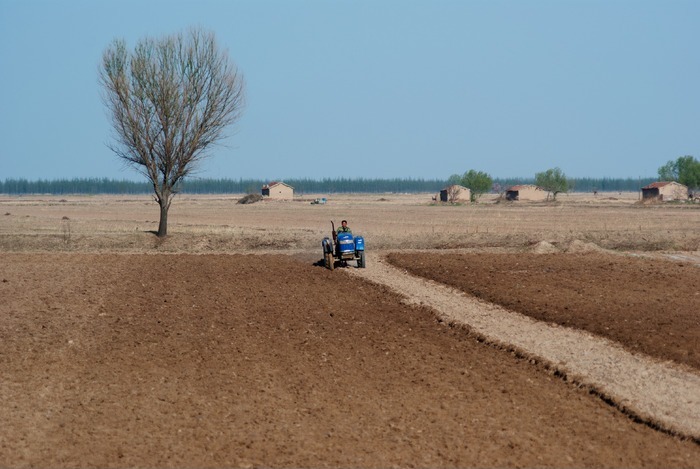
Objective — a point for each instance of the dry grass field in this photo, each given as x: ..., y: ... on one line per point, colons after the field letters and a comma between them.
x: 390, y: 221
x: 226, y: 345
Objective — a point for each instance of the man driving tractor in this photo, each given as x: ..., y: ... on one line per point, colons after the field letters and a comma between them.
x: 344, y: 247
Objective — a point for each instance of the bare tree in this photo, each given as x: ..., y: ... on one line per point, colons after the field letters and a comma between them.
x: 169, y: 100
x: 453, y: 192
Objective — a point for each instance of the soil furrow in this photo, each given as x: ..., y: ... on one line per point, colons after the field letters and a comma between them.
x: 663, y: 394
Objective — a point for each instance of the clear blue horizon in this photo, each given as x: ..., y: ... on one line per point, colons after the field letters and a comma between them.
x: 375, y: 89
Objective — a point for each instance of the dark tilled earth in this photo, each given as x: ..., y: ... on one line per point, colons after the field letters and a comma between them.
x: 649, y: 306
x: 239, y: 361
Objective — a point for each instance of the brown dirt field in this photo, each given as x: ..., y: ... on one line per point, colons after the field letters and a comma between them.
x: 178, y: 360
x: 647, y: 305
x: 119, y: 349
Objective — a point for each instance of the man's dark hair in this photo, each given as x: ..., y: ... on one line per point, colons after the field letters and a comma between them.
x: 344, y: 221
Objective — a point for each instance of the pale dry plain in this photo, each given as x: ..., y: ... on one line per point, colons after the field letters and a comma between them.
x: 388, y: 221
x: 226, y: 345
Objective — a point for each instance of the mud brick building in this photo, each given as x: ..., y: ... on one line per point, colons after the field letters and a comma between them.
x: 526, y: 192
x: 278, y: 191
x: 455, y: 193
x: 665, y: 191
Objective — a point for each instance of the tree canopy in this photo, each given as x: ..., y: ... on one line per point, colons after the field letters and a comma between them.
x: 478, y: 182
x: 553, y: 181
x: 454, y: 179
x: 169, y: 100
x: 685, y: 170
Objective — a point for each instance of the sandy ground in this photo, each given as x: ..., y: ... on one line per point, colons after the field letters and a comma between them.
x: 206, y: 224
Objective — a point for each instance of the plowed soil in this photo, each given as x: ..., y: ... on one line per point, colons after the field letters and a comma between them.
x: 265, y: 360
x: 648, y: 306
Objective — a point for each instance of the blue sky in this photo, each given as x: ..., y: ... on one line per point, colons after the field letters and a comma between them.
x: 375, y: 88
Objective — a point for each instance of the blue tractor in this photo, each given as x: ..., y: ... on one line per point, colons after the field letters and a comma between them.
x: 342, y: 248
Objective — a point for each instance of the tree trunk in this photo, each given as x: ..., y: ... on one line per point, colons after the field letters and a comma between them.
x: 164, y: 203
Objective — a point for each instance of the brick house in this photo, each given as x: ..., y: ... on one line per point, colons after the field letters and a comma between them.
x: 526, y: 192
x: 278, y: 191
x: 665, y: 191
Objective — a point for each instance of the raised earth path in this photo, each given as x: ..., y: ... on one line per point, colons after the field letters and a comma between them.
x: 662, y: 394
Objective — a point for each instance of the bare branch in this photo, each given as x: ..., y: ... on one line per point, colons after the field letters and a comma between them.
x: 169, y: 100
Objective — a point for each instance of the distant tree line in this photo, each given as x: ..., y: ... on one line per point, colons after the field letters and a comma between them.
x: 74, y: 186
x: 301, y: 186
x: 314, y: 186
x: 218, y: 186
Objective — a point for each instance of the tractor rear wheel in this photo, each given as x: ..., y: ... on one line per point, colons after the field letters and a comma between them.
x: 361, y: 261
x: 329, y: 260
